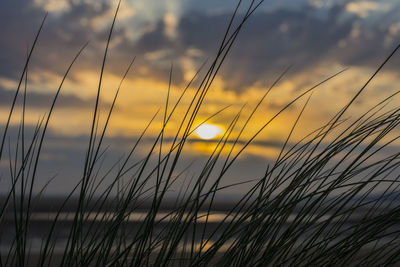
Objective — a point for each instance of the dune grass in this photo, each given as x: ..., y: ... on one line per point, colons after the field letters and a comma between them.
x: 327, y: 200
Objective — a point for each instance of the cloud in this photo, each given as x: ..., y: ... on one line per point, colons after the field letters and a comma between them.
x: 43, y: 100
x: 306, y: 37
x: 269, y: 43
x: 53, y: 5
x: 363, y: 8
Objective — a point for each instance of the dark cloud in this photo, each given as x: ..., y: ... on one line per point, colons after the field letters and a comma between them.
x: 62, y: 36
x: 269, y: 42
x: 304, y: 37
x: 43, y: 100
x: 16, y: 20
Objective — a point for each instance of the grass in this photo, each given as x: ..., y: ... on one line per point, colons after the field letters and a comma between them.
x: 327, y: 200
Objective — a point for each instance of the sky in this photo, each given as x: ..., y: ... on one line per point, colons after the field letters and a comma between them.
x: 316, y: 39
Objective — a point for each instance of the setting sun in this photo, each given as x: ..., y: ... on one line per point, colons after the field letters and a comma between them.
x: 208, y: 131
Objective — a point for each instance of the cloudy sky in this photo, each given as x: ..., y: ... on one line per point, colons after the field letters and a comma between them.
x: 316, y: 38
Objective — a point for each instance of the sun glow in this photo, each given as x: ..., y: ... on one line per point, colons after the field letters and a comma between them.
x: 208, y: 131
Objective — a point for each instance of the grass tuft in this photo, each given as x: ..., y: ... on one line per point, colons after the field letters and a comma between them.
x: 326, y: 200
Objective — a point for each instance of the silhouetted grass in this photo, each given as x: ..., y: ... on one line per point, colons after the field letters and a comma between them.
x: 326, y: 200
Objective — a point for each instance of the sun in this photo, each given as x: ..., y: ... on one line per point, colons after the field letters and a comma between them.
x: 208, y: 131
